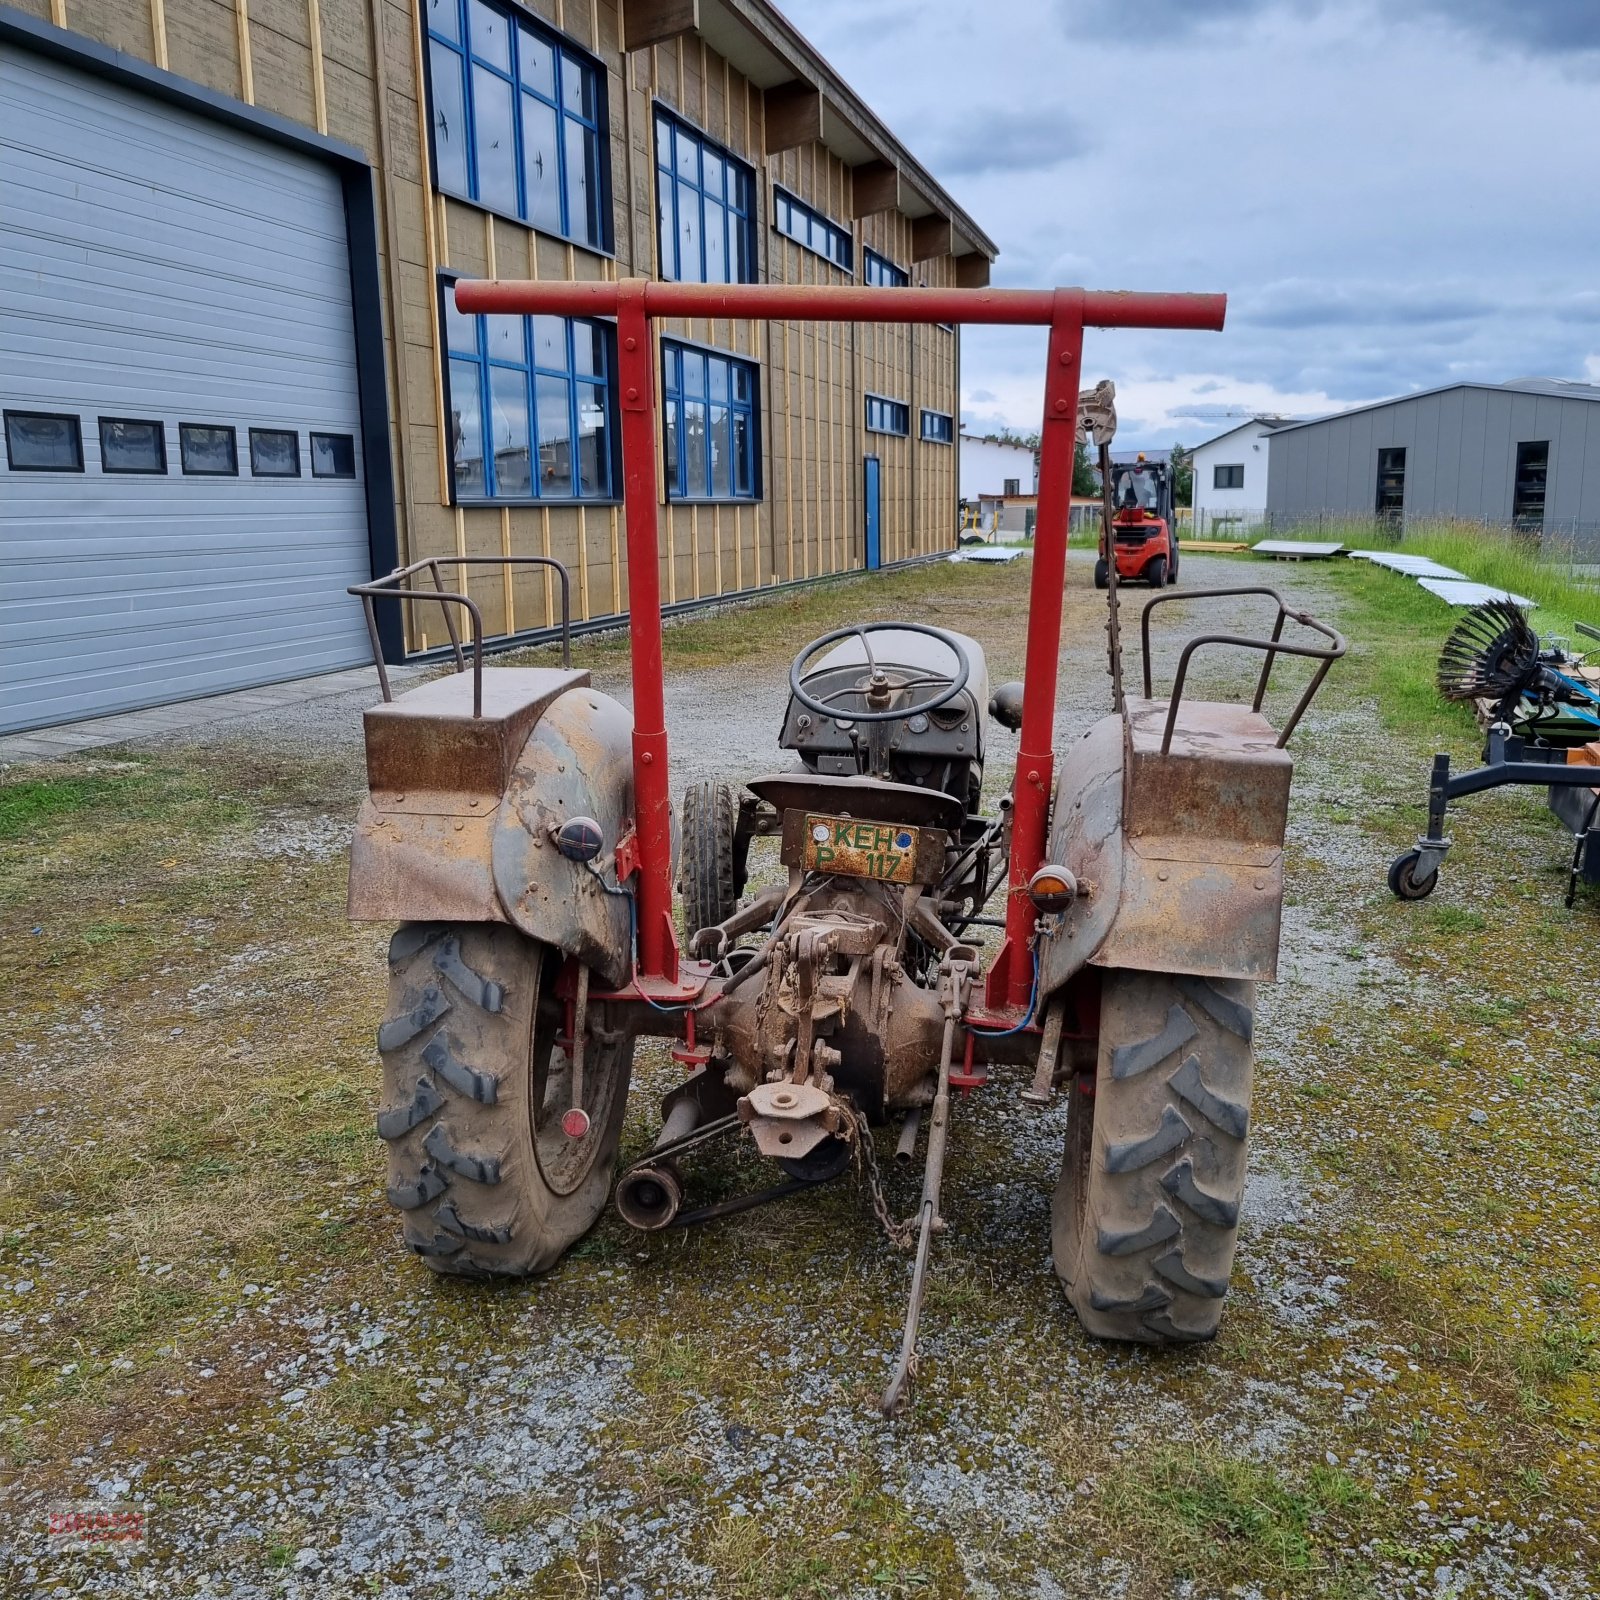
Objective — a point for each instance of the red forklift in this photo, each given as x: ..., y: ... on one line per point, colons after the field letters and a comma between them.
x: 1144, y: 527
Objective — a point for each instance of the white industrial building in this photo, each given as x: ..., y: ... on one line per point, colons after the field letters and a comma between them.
x: 1230, y: 478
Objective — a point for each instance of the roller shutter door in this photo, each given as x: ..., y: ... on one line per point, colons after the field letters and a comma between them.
x: 157, y: 267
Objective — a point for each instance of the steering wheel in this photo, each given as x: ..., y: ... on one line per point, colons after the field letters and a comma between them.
x: 879, y: 686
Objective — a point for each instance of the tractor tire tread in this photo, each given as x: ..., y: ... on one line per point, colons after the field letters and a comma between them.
x: 709, y: 876
x: 1146, y: 1213
x: 458, y: 1051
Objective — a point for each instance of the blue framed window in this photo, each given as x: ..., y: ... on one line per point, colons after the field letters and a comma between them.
x: 705, y: 200
x: 713, y: 425
x: 879, y: 272
x: 793, y: 218
x: 888, y: 416
x: 530, y: 406
x: 938, y: 427
x: 518, y: 120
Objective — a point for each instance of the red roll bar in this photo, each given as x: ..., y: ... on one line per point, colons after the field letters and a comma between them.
x: 1066, y: 312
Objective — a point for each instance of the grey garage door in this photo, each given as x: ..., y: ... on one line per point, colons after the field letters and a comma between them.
x: 181, y: 492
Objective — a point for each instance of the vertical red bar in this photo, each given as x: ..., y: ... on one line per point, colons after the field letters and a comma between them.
x: 658, y: 942
x: 1011, y: 977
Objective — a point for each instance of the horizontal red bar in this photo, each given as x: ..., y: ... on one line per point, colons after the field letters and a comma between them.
x: 1102, y: 308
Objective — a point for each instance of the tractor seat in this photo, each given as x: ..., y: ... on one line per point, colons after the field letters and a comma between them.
x: 1203, y: 727
x: 428, y: 739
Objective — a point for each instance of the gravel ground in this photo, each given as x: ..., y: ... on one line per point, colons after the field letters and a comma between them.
x: 693, y: 1416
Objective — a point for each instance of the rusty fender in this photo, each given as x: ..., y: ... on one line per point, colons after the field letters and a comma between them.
x: 1179, y: 857
x: 455, y: 855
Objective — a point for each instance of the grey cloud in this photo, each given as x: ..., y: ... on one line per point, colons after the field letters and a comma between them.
x: 1001, y: 139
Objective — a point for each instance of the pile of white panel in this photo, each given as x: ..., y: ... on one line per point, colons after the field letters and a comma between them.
x: 1411, y: 566
x: 1454, y: 588
x: 1295, y: 549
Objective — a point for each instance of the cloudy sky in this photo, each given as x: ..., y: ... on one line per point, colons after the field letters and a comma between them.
x: 1393, y: 193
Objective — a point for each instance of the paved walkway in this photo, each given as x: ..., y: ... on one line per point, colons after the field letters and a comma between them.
x: 187, y: 716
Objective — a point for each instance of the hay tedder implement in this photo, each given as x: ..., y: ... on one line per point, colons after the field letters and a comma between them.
x: 520, y: 828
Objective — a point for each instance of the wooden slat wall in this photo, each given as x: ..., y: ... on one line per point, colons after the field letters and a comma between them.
x: 320, y: 62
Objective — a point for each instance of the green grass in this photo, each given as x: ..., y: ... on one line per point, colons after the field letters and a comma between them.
x: 1218, y: 1519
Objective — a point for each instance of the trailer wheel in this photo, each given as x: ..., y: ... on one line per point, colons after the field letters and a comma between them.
x: 1404, y: 882
x: 1156, y: 573
x: 710, y: 872
x: 474, y: 1088
x: 1102, y: 574
x: 1146, y: 1212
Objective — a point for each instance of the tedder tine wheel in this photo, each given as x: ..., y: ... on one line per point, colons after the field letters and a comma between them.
x: 475, y: 1084
x: 710, y: 875
x: 1146, y: 1213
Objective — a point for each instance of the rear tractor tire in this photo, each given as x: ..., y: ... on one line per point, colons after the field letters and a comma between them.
x: 710, y: 872
x: 1102, y: 574
x: 1146, y: 1213
x: 474, y: 1087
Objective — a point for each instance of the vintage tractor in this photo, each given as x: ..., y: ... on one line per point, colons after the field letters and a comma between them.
x: 1144, y: 523
x: 519, y: 829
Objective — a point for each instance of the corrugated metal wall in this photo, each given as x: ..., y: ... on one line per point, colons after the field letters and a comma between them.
x: 1461, y: 455
x: 157, y: 265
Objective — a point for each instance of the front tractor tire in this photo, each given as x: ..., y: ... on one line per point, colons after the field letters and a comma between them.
x: 1146, y: 1213
x: 474, y: 1087
x: 710, y: 877
x: 1156, y: 573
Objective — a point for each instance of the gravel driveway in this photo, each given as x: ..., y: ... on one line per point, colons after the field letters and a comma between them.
x: 302, y: 1410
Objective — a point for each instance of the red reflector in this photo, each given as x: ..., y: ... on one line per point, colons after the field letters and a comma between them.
x: 575, y: 1123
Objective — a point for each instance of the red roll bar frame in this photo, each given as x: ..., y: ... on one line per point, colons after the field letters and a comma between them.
x: 1066, y: 312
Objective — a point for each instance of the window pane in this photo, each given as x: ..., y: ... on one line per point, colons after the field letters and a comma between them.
x: 550, y: 342
x: 594, y: 442
x: 740, y: 268
x: 555, y: 437
x: 717, y: 378
x: 536, y: 61
x: 460, y: 330
x: 688, y: 156
x: 711, y: 176
x: 493, y: 140
x: 333, y: 455
x: 666, y: 226
x: 696, y: 453
x: 541, y: 171
x: 690, y: 269
x: 577, y: 86
x: 589, y: 343
x: 466, y: 429
x: 208, y: 451
x: 663, y: 142
x: 508, y: 402
x: 127, y: 446
x: 694, y: 372
x: 743, y: 452
x: 274, y: 453
x: 489, y: 34
x: 449, y: 119
x: 742, y: 384
x: 503, y: 336
x: 43, y: 443
x: 716, y: 245
x: 444, y: 17
x: 670, y: 451
x: 582, y: 223
x: 721, y: 453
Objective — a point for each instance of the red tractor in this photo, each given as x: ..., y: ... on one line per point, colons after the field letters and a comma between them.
x: 1143, y: 524
x: 1099, y: 933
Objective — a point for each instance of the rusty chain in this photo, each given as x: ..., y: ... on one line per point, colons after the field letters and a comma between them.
x: 900, y: 1234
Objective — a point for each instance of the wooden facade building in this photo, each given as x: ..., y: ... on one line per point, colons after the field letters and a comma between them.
x: 573, y: 139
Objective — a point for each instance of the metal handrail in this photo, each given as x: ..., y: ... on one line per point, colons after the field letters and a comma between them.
x: 386, y: 589
x: 1273, y: 648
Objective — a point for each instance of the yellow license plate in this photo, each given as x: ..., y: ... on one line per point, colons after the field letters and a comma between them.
x: 860, y: 849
